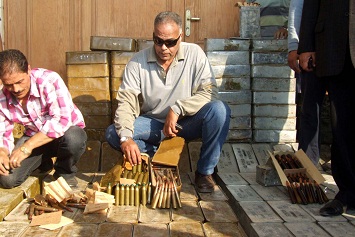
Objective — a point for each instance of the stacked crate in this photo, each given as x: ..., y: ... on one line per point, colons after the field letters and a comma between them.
x: 230, y: 63
x: 119, y: 59
x: 118, y: 63
x: 120, y: 50
x: 274, y: 92
x: 88, y: 83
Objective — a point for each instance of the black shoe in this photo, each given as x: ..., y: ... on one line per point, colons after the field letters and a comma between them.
x: 332, y: 208
x: 204, y: 183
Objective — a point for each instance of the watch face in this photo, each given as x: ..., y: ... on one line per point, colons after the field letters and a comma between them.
x: 123, y: 139
x: 24, y: 150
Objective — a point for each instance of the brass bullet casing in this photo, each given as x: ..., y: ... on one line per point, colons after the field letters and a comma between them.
x: 136, y: 195
x: 140, y: 178
x: 145, y: 178
x: 144, y: 195
x: 139, y: 168
x: 122, y: 193
x: 134, y: 169
x: 131, y: 195
x: 117, y: 195
x: 126, y: 195
x: 136, y: 176
x: 149, y: 193
x: 109, y: 188
x: 125, y: 173
x: 129, y: 175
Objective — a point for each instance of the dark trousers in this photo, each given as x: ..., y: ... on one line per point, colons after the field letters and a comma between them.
x: 342, y: 100
x: 68, y: 150
x: 313, y: 91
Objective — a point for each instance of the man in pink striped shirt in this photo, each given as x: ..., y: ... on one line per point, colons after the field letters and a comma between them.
x: 39, y: 100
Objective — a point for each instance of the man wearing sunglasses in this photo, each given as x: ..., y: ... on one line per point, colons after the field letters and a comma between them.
x: 179, y: 98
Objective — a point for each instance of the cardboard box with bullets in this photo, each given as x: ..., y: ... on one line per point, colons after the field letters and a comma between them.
x: 128, y: 184
x: 300, y: 176
x: 155, y: 182
x: 165, y: 176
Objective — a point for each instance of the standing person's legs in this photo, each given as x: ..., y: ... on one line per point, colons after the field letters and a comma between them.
x: 313, y: 90
x: 342, y: 102
x: 341, y: 90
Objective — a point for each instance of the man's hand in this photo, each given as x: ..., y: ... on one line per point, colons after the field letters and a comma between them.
x: 308, y: 61
x: 131, y: 152
x: 170, y: 129
x: 292, y: 60
x: 282, y: 33
x: 16, y: 157
x: 4, y: 163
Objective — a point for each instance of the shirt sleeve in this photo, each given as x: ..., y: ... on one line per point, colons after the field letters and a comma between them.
x: 59, y: 105
x: 204, y: 88
x: 6, y: 133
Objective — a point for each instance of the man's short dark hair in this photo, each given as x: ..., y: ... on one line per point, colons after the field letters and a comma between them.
x: 165, y: 17
x: 12, y: 60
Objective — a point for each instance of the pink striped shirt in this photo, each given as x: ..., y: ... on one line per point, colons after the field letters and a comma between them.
x: 50, y: 109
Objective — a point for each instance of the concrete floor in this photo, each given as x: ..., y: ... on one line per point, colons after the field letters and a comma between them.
x: 239, y: 206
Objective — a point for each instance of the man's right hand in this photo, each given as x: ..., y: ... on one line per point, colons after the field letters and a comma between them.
x: 131, y: 152
x: 305, y: 61
x: 292, y: 60
x: 4, y: 163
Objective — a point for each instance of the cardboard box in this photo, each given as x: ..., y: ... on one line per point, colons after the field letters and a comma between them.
x: 309, y: 168
x: 163, y: 165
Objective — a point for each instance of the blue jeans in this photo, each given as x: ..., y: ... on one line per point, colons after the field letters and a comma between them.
x: 210, y: 123
x: 68, y: 150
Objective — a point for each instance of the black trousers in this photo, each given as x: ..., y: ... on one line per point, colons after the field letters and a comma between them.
x: 313, y: 92
x: 341, y: 90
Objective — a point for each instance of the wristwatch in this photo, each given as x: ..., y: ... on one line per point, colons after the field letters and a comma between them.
x: 124, y: 139
x: 25, y: 150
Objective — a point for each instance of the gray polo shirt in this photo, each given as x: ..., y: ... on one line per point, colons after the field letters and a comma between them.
x: 187, y: 86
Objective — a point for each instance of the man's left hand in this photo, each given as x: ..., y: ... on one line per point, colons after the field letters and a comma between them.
x: 170, y: 129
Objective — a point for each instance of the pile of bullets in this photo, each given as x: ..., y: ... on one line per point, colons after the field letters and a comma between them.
x: 165, y: 194
x: 40, y: 204
x: 303, y: 191
x: 132, y: 194
x: 287, y: 161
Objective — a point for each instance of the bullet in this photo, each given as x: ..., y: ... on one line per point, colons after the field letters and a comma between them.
x: 122, y: 193
x: 136, y: 195
x: 126, y: 195
x: 145, y: 178
x: 131, y: 195
x: 117, y: 195
x: 149, y: 193
x: 48, y: 209
x: 109, y: 188
x: 134, y: 169
x: 139, y: 168
x: 144, y: 195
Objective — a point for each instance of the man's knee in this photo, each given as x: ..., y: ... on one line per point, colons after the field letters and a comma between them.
x: 221, y: 110
x: 75, y: 138
x: 112, y: 137
x: 8, y: 181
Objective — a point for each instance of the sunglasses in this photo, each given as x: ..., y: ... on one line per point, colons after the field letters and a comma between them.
x: 168, y: 43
